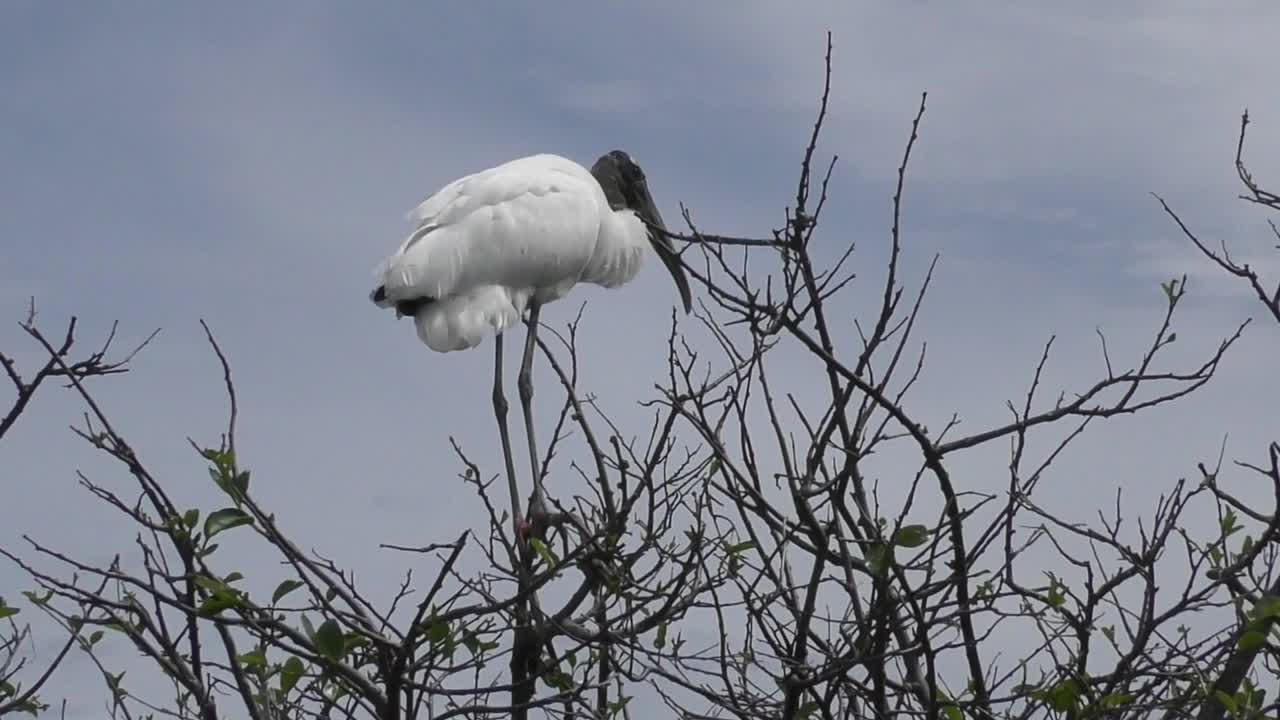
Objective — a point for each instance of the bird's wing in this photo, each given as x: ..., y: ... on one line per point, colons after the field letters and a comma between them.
x: 529, y: 223
x: 464, y: 192
x: 462, y: 321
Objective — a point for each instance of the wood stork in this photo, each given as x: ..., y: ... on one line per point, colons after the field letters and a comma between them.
x: 489, y: 247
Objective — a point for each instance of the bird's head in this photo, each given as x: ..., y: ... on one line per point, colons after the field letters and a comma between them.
x: 625, y: 186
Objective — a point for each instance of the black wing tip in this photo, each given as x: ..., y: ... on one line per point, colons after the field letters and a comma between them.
x: 410, y: 308
x: 403, y: 308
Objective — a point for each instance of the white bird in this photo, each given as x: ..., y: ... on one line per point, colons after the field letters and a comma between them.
x: 490, y: 246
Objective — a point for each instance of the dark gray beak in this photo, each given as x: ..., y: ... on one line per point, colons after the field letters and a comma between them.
x: 662, y: 245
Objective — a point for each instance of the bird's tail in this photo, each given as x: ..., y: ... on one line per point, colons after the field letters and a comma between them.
x: 379, y: 293
x: 379, y: 297
x: 463, y: 321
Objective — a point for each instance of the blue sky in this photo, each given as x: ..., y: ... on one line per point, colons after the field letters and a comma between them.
x: 251, y: 165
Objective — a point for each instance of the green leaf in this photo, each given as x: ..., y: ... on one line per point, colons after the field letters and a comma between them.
x: 213, y: 585
x: 558, y: 680
x: 252, y: 659
x: 483, y: 648
x: 1063, y: 697
x: 1110, y: 632
x: 472, y: 641
x: 1115, y: 700
x: 329, y: 641
x: 1256, y: 696
x: 7, y: 611
x: 290, y: 674
x: 437, y: 631
x: 218, y: 602
x: 1228, y: 522
x: 1057, y: 593
x: 1066, y: 696
x: 661, y: 639
x: 113, y: 682
x: 242, y: 482
x: 224, y: 473
x: 617, y: 706
x: 221, y: 458
x: 806, y: 711
x: 221, y: 595
x: 1268, y: 607
x: 1246, y: 547
x: 543, y: 552
x: 910, y: 536
x: 35, y: 598
x: 309, y: 628
x: 985, y: 590
x: 1252, y: 640
x: 218, y: 478
x: 283, y: 589
x: 878, y: 557
x: 953, y: 712
x: 95, y: 637
x: 233, y: 577
x: 354, y: 640
x: 1227, y: 701
x: 191, y: 517
x: 225, y: 519
x: 741, y: 547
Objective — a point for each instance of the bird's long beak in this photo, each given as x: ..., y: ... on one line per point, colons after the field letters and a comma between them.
x: 662, y: 244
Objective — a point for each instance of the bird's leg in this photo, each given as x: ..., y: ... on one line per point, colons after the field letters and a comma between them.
x: 500, y: 410
x: 537, y: 504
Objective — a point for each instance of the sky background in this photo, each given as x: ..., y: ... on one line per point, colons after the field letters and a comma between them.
x: 251, y: 164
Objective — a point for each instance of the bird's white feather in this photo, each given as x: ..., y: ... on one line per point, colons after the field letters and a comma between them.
x: 619, y: 251
x: 462, y: 321
x: 487, y: 243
